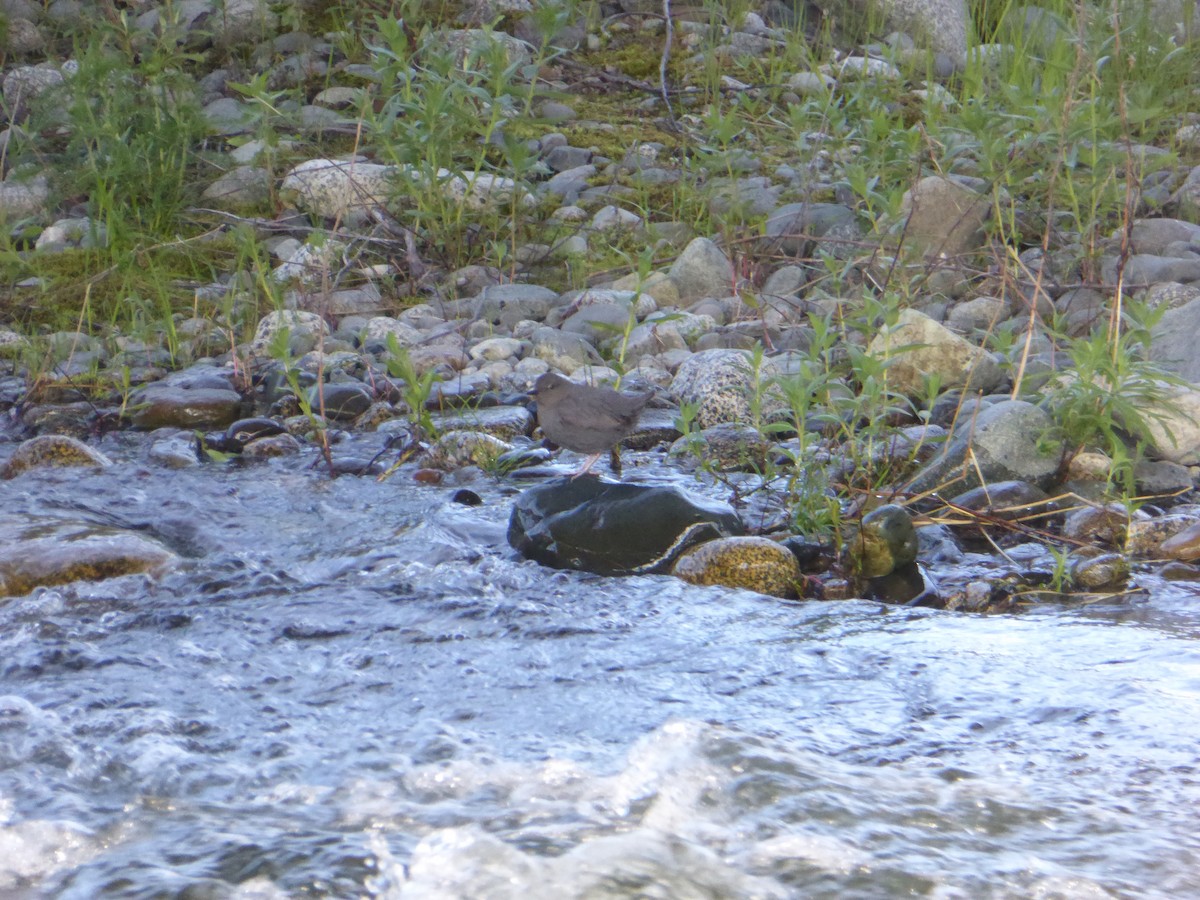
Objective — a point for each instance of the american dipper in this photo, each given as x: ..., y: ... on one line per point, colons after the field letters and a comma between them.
x: 583, y: 418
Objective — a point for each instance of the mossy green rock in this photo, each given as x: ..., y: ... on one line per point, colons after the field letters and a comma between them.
x: 52, y: 450
x: 884, y: 541
x: 755, y: 563
x: 31, y: 557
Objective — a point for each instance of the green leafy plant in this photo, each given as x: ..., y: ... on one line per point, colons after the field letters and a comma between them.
x: 415, y: 388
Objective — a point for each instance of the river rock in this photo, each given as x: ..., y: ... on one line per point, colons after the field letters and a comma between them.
x: 884, y: 541
x: 925, y: 348
x: 702, y: 270
x: 504, y: 422
x: 720, y: 383
x: 342, y: 401
x: 1174, y: 342
x: 43, y: 554
x: 944, y: 219
x: 1184, y: 544
x: 727, y: 446
x: 1174, y: 425
x: 1147, y: 534
x: 465, y: 448
x: 304, y: 330
x: 796, y: 229
x: 1105, y: 571
x: 1005, y: 445
x: 1005, y: 500
x: 183, y: 404
x: 1104, y: 526
x: 613, y: 528
x: 52, y: 451
x: 338, y: 188
x: 755, y: 563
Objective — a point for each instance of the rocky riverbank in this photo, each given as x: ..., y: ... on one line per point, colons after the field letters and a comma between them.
x: 835, y: 373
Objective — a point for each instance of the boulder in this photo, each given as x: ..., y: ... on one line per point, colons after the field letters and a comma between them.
x: 613, y: 528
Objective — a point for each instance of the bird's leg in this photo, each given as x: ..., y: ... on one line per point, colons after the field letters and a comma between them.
x: 587, y: 464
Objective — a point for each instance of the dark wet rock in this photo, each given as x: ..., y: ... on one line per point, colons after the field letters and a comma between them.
x: 1004, y: 445
x: 52, y: 451
x: 356, y: 466
x: 1005, y: 500
x: 884, y: 541
x: 720, y: 383
x: 75, y: 419
x: 1103, y: 571
x: 271, y: 446
x: 164, y: 405
x: 613, y: 529
x: 243, y: 431
x: 755, y: 563
x: 43, y: 554
x: 908, y: 585
x: 917, y: 347
x: 653, y: 427
x: 341, y: 401
x: 727, y: 447
x: 466, y: 497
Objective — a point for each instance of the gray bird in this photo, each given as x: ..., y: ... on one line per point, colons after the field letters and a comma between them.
x: 583, y: 418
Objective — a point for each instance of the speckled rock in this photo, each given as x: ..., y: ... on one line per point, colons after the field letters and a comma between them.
x: 1184, y: 545
x: 720, y: 383
x: 1106, y: 571
x: 1006, y: 444
x: 335, y: 188
x: 884, y: 541
x: 755, y: 563
x: 271, y: 446
x: 727, y: 446
x: 465, y: 448
x: 304, y: 329
x: 1147, y: 537
x: 52, y: 451
x: 48, y: 553
x: 504, y: 422
x: 917, y: 347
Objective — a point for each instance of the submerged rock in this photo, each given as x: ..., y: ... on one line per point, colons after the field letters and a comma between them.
x: 59, y: 553
x: 611, y: 528
x: 52, y: 450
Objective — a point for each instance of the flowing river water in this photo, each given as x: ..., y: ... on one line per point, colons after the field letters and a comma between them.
x: 351, y: 688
